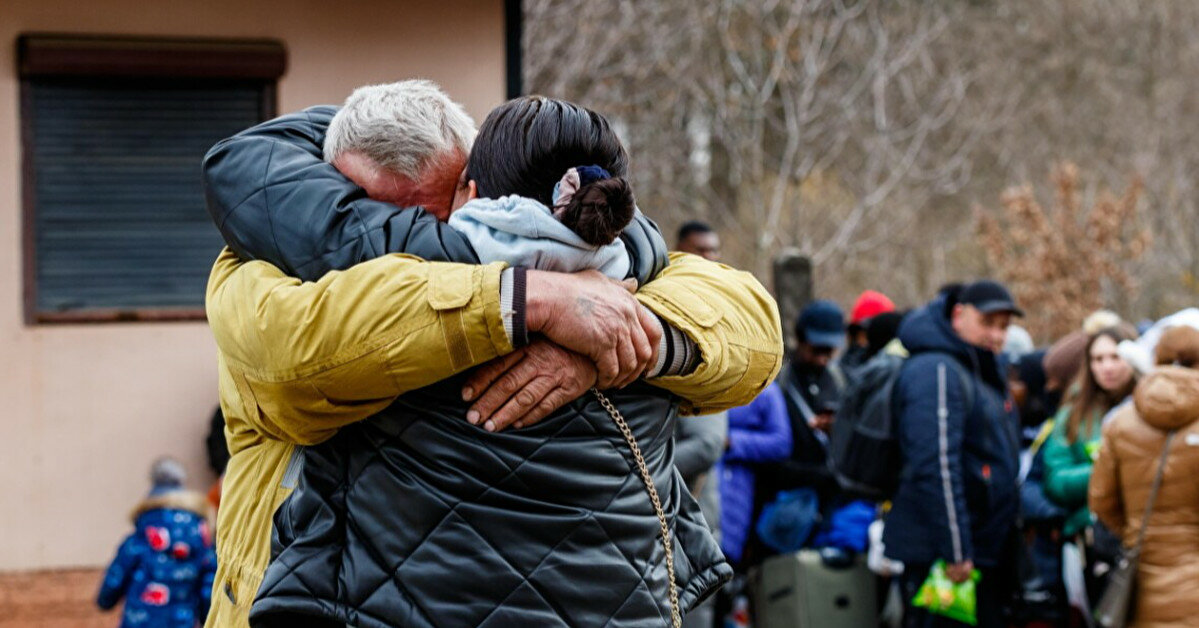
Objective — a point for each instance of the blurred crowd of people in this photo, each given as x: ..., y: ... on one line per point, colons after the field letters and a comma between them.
x: 1027, y: 469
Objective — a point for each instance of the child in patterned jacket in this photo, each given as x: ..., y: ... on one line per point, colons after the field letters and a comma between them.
x: 165, y: 568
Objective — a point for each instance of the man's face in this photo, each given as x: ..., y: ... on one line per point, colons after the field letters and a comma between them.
x: 987, y: 331
x: 705, y: 245
x: 435, y: 191
x: 813, y: 355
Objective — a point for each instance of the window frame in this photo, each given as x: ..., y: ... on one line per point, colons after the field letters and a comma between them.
x: 42, y: 55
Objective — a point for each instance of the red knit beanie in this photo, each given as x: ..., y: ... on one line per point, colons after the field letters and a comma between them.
x: 869, y: 305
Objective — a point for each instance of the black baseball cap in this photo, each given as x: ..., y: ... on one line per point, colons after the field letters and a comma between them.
x: 821, y: 324
x: 989, y: 296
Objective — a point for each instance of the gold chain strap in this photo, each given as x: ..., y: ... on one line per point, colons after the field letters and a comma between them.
x: 676, y: 617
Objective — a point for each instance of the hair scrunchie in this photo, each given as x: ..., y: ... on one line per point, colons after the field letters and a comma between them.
x: 575, y: 178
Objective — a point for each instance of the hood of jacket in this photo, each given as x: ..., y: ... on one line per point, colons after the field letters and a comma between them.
x: 928, y: 330
x: 1168, y: 398
x: 187, y: 501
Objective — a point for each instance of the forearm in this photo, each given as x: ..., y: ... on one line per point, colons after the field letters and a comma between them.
x: 320, y: 355
x: 739, y: 343
x: 733, y: 323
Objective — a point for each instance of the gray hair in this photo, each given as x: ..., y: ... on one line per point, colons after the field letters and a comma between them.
x: 404, y: 127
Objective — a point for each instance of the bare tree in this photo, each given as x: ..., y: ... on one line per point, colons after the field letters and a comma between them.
x: 790, y: 123
x: 862, y: 132
x: 1036, y: 249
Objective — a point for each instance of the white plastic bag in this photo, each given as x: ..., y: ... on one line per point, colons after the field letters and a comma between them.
x: 876, y: 559
x: 1075, y: 581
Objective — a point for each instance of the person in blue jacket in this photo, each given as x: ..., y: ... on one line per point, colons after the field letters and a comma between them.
x: 759, y: 432
x: 958, y: 497
x: 164, y: 570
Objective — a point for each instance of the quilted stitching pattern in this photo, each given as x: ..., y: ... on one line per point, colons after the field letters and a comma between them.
x: 435, y: 523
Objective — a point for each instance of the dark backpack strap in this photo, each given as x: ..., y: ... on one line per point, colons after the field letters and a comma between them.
x: 968, y: 391
x: 968, y: 388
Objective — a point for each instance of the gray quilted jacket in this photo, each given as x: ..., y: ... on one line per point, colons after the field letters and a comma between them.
x: 417, y: 518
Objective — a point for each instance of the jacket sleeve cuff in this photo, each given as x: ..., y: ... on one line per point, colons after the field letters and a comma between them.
x: 677, y: 354
x: 513, y: 305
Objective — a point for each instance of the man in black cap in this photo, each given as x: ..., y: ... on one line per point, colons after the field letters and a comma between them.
x: 957, y: 499
x: 812, y: 380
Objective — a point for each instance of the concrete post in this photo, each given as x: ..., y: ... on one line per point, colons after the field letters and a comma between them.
x: 793, y: 283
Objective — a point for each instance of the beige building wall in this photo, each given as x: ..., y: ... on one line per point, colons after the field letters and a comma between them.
x: 87, y: 407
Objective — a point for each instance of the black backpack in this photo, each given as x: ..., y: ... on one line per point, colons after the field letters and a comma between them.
x: 864, y: 446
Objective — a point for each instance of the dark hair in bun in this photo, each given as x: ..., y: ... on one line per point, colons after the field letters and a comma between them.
x: 526, y: 144
x: 600, y: 210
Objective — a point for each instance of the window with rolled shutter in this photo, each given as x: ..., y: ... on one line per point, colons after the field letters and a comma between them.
x: 114, y: 131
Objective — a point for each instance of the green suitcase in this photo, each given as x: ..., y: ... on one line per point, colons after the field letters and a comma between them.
x: 800, y: 591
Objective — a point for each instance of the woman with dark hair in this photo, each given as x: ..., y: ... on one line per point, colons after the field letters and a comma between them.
x: 416, y: 517
x: 1104, y: 381
x: 517, y: 203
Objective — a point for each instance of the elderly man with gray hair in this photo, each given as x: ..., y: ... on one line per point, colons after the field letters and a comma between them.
x: 306, y: 351
x: 409, y: 160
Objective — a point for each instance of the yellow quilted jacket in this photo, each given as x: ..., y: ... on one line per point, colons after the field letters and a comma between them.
x: 299, y: 360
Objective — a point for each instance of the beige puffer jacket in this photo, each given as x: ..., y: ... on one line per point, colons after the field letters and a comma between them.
x: 1168, y: 580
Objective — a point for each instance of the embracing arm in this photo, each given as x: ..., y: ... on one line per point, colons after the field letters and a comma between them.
x: 733, y: 321
x: 313, y: 357
x: 275, y: 199
x: 721, y: 319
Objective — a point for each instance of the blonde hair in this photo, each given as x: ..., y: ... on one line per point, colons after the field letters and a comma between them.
x: 1100, y: 320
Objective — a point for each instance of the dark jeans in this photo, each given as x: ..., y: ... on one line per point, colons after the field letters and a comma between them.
x: 994, y: 589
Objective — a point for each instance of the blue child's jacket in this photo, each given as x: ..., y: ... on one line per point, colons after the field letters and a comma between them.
x: 165, y: 569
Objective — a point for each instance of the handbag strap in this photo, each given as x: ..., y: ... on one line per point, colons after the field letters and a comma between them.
x: 1157, y: 485
x: 676, y: 615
